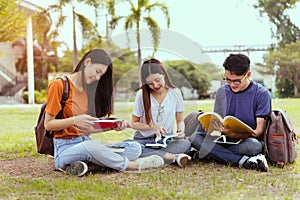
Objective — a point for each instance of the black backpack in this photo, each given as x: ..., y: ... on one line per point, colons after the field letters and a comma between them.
x: 44, y: 138
x: 280, y: 140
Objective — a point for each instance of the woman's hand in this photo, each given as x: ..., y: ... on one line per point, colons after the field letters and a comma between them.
x: 121, y: 125
x: 159, y: 130
x: 84, y: 122
x: 180, y: 134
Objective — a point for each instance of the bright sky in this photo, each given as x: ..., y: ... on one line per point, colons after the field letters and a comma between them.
x: 209, y: 23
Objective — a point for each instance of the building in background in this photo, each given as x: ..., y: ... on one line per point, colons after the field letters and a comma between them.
x: 11, y: 81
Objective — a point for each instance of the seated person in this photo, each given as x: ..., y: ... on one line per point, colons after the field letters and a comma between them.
x: 90, y: 97
x: 249, y: 102
x: 158, y: 104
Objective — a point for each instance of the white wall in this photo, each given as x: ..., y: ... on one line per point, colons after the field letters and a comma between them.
x: 7, y: 59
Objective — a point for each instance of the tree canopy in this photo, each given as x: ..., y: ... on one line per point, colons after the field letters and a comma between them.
x: 276, y: 10
x: 199, y: 76
x: 12, y: 23
x: 288, y: 60
x: 285, y: 53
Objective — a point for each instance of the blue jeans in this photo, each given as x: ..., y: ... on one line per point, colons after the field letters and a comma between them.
x: 176, y: 146
x: 224, y: 153
x: 83, y: 148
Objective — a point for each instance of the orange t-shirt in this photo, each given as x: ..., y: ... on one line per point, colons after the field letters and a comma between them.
x: 76, y: 104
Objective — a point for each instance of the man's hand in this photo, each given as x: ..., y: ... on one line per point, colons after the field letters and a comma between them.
x: 239, y: 135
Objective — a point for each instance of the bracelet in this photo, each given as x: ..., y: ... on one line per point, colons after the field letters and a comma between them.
x: 178, y: 131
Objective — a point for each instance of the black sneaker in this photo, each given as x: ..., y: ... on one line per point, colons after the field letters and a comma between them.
x: 78, y: 168
x: 195, y: 155
x: 258, y: 162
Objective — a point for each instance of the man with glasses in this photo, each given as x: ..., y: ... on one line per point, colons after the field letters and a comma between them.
x: 246, y: 100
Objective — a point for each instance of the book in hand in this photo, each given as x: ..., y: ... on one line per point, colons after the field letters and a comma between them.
x: 223, y: 139
x: 161, y: 142
x: 211, y: 121
x: 105, y: 123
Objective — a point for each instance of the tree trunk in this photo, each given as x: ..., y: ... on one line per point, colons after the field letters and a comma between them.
x: 75, y: 52
x: 296, y: 90
x: 138, y: 37
x: 296, y: 80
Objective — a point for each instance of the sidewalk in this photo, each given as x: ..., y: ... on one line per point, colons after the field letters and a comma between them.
x: 12, y: 102
x: 16, y: 99
x: 20, y: 106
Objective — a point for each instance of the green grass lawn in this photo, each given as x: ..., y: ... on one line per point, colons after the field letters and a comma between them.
x: 24, y: 174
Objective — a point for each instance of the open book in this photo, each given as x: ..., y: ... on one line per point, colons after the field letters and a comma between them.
x: 104, y: 123
x: 161, y: 142
x: 211, y: 120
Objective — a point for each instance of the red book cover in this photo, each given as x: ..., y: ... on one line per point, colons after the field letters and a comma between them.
x: 104, y: 123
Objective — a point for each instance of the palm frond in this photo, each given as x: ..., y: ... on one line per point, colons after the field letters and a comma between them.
x: 164, y: 8
x: 114, y: 21
x: 87, y: 26
x: 155, y: 31
x: 129, y: 22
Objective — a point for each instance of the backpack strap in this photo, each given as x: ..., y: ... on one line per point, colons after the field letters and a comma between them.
x: 64, y: 98
x: 65, y: 95
x: 265, y: 138
x: 66, y: 91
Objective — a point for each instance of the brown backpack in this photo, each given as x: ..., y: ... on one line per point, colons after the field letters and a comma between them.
x: 280, y: 140
x: 44, y: 139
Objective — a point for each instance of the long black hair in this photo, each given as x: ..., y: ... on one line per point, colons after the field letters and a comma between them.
x: 100, y: 93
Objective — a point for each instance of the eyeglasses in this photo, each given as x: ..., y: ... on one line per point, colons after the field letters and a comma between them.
x: 235, y: 81
x: 159, y: 115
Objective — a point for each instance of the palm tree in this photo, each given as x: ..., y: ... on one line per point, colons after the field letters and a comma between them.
x: 88, y: 28
x: 45, y: 50
x: 42, y: 23
x: 136, y: 17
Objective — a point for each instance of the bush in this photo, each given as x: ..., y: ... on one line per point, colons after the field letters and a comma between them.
x: 39, y: 96
x: 40, y: 84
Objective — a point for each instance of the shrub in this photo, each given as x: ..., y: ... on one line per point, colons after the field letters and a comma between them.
x: 39, y: 96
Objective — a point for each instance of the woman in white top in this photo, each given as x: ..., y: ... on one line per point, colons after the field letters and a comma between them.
x: 158, y: 104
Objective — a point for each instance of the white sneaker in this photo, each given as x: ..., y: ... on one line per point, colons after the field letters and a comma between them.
x: 153, y: 161
x: 182, y: 159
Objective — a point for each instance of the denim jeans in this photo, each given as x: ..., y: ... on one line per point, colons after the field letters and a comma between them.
x: 176, y: 146
x: 224, y: 153
x: 83, y: 148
